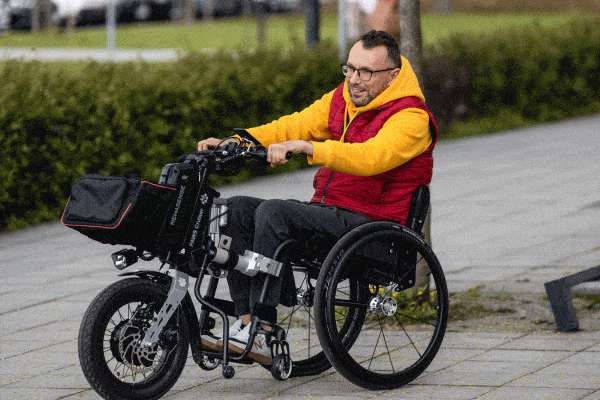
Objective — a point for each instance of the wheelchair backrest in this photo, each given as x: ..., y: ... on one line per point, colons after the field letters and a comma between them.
x: 419, y: 206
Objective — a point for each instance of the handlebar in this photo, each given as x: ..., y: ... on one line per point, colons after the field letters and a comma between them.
x: 229, y: 158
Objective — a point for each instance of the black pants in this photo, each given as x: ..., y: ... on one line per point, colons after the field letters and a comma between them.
x: 261, y: 226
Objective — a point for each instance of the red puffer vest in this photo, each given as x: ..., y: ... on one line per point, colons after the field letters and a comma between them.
x: 382, y: 196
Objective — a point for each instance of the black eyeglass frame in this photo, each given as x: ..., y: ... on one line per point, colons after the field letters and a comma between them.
x: 348, y: 68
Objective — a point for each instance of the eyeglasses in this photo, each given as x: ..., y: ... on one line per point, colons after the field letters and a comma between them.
x: 363, y: 73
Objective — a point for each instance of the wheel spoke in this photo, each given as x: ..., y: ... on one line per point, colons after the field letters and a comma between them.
x: 298, y: 321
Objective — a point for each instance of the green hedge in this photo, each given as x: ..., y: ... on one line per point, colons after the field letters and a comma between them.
x: 118, y: 118
x: 538, y: 74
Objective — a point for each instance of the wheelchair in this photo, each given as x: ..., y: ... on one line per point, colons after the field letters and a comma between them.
x: 359, y: 306
x: 373, y: 304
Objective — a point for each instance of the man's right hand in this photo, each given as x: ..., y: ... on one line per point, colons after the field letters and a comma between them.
x: 211, y: 143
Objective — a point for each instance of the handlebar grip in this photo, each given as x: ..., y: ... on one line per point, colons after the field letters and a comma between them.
x: 288, y: 155
x: 261, y: 153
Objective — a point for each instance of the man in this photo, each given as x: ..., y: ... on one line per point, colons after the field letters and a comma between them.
x: 374, y: 138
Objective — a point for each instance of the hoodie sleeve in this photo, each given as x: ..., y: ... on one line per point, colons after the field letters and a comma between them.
x: 403, y: 137
x: 310, y: 124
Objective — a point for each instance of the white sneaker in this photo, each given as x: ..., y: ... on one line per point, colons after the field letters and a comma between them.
x: 234, y: 329
x: 260, y: 351
x: 215, y: 342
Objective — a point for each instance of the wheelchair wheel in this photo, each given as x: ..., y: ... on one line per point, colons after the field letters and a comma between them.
x: 369, y: 278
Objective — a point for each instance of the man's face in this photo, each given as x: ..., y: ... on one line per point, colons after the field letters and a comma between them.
x: 374, y: 59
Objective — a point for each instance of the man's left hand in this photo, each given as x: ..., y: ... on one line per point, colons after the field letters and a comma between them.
x: 278, y: 152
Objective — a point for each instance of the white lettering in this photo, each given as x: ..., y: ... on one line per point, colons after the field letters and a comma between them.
x: 193, y: 239
x: 199, y: 220
x: 177, y: 206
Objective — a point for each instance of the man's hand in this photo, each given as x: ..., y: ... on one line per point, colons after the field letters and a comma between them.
x: 278, y: 152
x: 211, y: 143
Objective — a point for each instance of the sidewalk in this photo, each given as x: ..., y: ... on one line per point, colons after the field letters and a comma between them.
x: 510, y: 212
x: 82, y: 54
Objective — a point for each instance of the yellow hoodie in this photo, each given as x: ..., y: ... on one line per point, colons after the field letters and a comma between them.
x: 404, y: 136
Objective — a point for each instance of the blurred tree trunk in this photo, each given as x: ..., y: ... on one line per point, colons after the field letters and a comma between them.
x: 70, y: 23
x: 207, y: 14
x: 41, y: 16
x: 411, y: 46
x: 261, y: 21
x: 35, y: 15
x: 441, y: 6
x: 247, y: 7
x: 411, y: 42
x: 313, y: 17
x: 342, y: 29
x: 184, y: 11
x: 189, y: 12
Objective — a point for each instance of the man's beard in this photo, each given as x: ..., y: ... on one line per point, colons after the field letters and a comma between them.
x: 360, y: 102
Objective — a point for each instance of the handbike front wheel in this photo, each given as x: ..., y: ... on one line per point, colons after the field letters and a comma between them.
x: 112, y: 358
x: 403, y: 325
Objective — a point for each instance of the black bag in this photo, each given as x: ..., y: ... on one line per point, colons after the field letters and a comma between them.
x: 118, y: 210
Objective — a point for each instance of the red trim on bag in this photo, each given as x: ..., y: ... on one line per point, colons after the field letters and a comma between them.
x: 101, y: 227
x: 118, y: 223
x: 160, y: 186
x: 62, y: 217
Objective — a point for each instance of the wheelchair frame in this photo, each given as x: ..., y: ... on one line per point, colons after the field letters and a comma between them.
x: 337, y: 338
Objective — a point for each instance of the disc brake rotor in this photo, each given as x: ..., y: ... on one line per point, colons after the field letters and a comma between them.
x: 130, y: 350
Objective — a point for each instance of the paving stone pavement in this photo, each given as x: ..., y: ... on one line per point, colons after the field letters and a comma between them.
x: 510, y: 211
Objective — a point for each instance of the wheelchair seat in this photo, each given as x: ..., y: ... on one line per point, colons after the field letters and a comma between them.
x: 316, y: 248
x: 417, y: 214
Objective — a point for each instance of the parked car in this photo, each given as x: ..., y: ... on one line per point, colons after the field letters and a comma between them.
x: 220, y: 7
x: 280, y: 6
x: 93, y: 12
x: 19, y: 15
x: 83, y: 12
x: 20, y: 12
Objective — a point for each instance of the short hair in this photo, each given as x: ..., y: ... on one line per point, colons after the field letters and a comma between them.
x: 375, y: 38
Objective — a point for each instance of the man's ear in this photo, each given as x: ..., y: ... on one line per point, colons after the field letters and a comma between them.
x: 393, y: 76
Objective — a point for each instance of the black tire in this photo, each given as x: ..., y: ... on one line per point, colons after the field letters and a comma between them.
x: 282, y: 368
x: 402, y: 327
x: 110, y: 330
